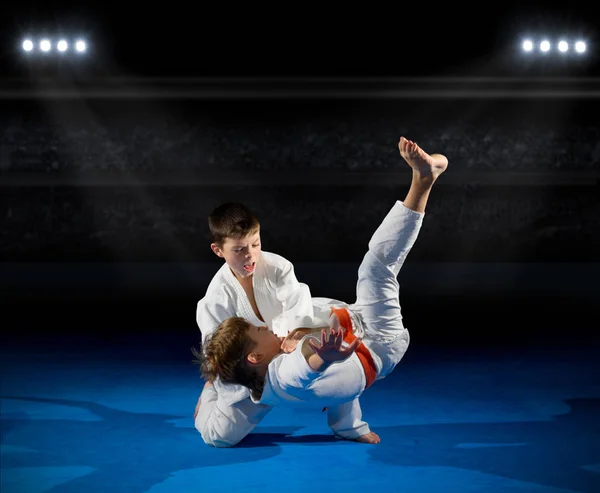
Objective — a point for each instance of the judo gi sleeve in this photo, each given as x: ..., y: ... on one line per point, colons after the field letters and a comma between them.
x: 224, y: 426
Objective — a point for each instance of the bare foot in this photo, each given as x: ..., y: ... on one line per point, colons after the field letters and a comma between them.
x: 368, y: 438
x: 423, y: 164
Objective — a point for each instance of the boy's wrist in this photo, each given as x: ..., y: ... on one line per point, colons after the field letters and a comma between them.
x: 317, y: 363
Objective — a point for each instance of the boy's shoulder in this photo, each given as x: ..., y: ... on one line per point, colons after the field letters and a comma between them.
x: 220, y: 281
x: 275, y: 260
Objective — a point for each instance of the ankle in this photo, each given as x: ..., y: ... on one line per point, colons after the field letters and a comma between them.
x: 423, y: 179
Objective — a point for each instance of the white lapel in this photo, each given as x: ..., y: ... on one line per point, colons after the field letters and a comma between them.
x: 243, y: 306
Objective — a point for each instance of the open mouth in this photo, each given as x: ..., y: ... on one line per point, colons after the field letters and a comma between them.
x: 250, y: 267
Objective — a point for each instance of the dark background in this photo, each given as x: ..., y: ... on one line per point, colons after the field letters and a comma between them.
x: 110, y: 164
x: 217, y: 39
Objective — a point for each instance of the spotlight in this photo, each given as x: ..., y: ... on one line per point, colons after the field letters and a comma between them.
x: 580, y: 47
x: 527, y: 45
x: 80, y: 46
x: 545, y: 46
x: 62, y: 45
x: 563, y: 46
x: 28, y: 45
x: 45, y: 45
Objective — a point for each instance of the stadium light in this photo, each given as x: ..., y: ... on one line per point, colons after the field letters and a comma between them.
x: 545, y: 46
x: 48, y: 44
x: 45, y: 45
x: 527, y: 45
x: 580, y: 47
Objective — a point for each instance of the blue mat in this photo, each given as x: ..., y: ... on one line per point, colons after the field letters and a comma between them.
x: 97, y: 417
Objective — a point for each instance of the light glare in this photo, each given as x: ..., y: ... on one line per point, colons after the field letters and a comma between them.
x: 45, y: 45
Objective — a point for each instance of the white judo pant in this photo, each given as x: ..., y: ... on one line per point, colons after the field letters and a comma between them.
x: 377, y: 290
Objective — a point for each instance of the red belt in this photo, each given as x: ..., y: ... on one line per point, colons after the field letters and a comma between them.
x: 364, y: 355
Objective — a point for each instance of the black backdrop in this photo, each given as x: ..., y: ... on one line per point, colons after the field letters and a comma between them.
x: 104, y: 231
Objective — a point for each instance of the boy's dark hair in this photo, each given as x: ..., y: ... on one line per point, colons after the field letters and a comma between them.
x: 223, y: 355
x: 231, y: 220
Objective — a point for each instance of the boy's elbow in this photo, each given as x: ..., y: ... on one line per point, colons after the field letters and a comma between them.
x: 221, y: 444
x: 214, y: 438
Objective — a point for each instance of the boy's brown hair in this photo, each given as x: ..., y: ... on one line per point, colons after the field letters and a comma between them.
x: 224, y: 354
x: 231, y: 220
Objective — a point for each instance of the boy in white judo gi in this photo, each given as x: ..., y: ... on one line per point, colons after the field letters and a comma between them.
x: 261, y: 287
x: 364, y: 341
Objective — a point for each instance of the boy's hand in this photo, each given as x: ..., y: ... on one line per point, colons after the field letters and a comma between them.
x: 290, y: 342
x: 207, y: 384
x: 330, y: 349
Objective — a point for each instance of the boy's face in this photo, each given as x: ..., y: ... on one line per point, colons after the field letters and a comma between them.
x: 241, y: 253
x: 268, y: 345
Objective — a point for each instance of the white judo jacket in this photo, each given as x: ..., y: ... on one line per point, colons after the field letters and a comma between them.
x: 227, y: 413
